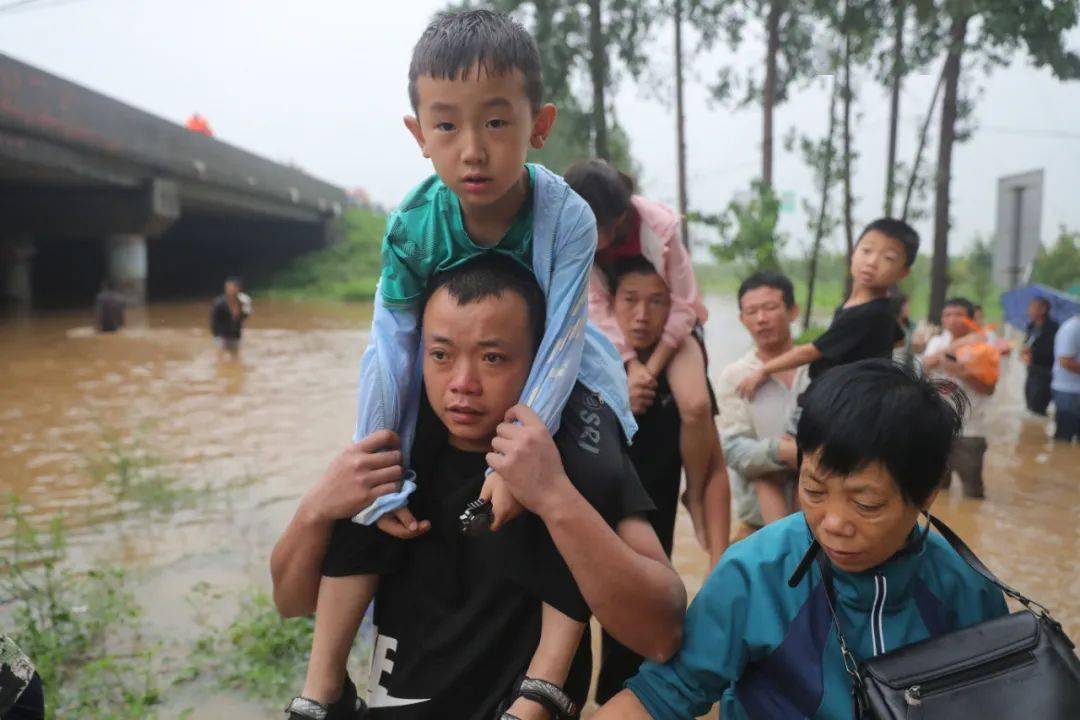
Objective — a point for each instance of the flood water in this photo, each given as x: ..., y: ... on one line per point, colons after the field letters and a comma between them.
x: 248, y: 437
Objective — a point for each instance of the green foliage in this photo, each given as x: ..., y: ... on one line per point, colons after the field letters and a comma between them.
x: 132, y: 472
x: 347, y: 270
x: 1059, y: 267
x: 748, y: 230
x: 259, y: 653
x: 81, y: 630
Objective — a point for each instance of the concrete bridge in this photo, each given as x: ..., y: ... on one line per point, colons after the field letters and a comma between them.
x: 92, y: 188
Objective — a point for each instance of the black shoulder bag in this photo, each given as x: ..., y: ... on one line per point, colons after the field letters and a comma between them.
x: 1016, y: 667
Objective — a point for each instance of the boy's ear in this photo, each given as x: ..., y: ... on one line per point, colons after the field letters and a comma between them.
x: 904, y: 273
x: 793, y: 312
x: 543, y: 121
x: 417, y: 132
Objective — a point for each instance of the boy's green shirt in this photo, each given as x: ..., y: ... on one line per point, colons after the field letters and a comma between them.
x: 426, y: 235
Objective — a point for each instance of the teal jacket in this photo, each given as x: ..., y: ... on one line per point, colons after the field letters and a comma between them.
x: 767, y: 651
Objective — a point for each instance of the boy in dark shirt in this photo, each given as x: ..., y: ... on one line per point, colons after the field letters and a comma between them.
x: 865, y: 326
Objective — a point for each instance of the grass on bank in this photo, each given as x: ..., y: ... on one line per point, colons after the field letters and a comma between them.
x: 347, y: 270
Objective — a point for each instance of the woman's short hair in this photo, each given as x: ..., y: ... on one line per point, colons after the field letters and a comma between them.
x: 602, y: 187
x: 877, y: 410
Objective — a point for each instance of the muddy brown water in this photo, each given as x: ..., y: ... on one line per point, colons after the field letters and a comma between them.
x: 248, y: 438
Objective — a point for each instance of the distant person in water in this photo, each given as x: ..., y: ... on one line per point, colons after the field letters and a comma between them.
x: 227, y: 316
x: 109, y: 309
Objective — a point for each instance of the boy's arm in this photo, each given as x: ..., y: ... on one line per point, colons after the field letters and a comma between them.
x: 356, y: 477
x: 560, y: 637
x: 558, y: 360
x: 793, y: 358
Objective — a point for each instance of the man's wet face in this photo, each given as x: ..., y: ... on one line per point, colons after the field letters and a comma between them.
x: 642, y: 305
x: 766, y: 317
x: 476, y: 360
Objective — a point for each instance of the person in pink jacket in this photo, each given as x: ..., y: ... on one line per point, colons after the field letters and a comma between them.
x: 629, y: 225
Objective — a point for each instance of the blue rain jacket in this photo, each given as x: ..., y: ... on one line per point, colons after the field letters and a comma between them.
x: 564, y: 242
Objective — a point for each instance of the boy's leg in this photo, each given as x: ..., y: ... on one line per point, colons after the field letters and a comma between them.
x: 341, y: 606
x: 687, y: 378
x: 717, y: 505
x: 772, y: 496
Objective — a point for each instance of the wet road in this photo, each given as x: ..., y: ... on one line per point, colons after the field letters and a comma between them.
x: 247, y: 438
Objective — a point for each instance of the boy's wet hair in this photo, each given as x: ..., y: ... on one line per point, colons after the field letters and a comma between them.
x: 454, y: 43
x: 636, y: 265
x: 899, y: 231
x: 605, y: 189
x: 960, y: 302
x: 770, y: 279
x: 490, y: 275
x: 877, y: 410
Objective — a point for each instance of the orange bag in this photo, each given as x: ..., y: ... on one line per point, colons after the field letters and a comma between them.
x: 983, y: 360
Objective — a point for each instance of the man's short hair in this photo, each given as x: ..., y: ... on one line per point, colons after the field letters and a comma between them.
x: 604, y: 188
x: 455, y: 42
x: 636, y: 265
x: 969, y: 308
x: 877, y: 410
x: 490, y: 275
x: 235, y: 280
x: 897, y: 230
x: 1042, y: 300
x: 770, y: 279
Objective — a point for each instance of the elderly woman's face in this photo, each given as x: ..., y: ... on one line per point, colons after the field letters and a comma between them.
x: 860, y: 520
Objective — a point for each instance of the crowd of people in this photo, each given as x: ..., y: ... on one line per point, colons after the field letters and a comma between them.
x: 535, y: 388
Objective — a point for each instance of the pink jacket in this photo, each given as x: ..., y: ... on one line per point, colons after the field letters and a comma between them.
x: 661, y: 246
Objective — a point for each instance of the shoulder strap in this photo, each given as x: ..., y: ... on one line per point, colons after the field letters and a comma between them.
x: 976, y: 564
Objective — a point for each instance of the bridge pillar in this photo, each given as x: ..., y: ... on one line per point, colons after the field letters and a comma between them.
x: 127, y: 263
x: 16, y: 258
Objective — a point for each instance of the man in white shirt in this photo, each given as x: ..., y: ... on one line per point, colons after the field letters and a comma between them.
x: 966, y: 458
x: 761, y: 456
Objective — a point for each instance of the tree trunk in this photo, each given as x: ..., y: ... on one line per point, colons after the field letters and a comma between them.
x: 680, y: 121
x: 849, y: 231
x: 917, y: 163
x: 899, y: 15
x: 939, y: 270
x: 819, y: 232
x: 768, y: 93
x: 599, y: 73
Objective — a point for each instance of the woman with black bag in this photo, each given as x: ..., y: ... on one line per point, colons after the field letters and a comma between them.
x: 853, y: 608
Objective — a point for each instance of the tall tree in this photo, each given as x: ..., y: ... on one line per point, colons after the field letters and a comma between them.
x: 590, y: 40
x: 680, y: 122
x: 992, y: 31
x: 789, y: 27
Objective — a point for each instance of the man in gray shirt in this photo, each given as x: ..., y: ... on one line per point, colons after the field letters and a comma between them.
x: 760, y: 455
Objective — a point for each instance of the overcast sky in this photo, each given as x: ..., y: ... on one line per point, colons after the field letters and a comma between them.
x: 322, y: 83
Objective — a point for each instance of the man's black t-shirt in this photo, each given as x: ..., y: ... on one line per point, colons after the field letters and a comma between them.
x: 869, y: 330
x: 458, y: 618
x: 658, y: 461
x: 1040, y: 338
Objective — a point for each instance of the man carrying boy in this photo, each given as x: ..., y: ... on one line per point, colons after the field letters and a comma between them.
x: 966, y: 456
x: 865, y: 326
x: 759, y: 452
x: 459, y: 618
x: 477, y: 96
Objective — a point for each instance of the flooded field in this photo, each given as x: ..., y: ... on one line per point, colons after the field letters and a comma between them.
x: 225, y: 449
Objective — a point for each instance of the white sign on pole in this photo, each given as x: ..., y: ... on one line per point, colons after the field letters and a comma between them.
x: 1019, y: 227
